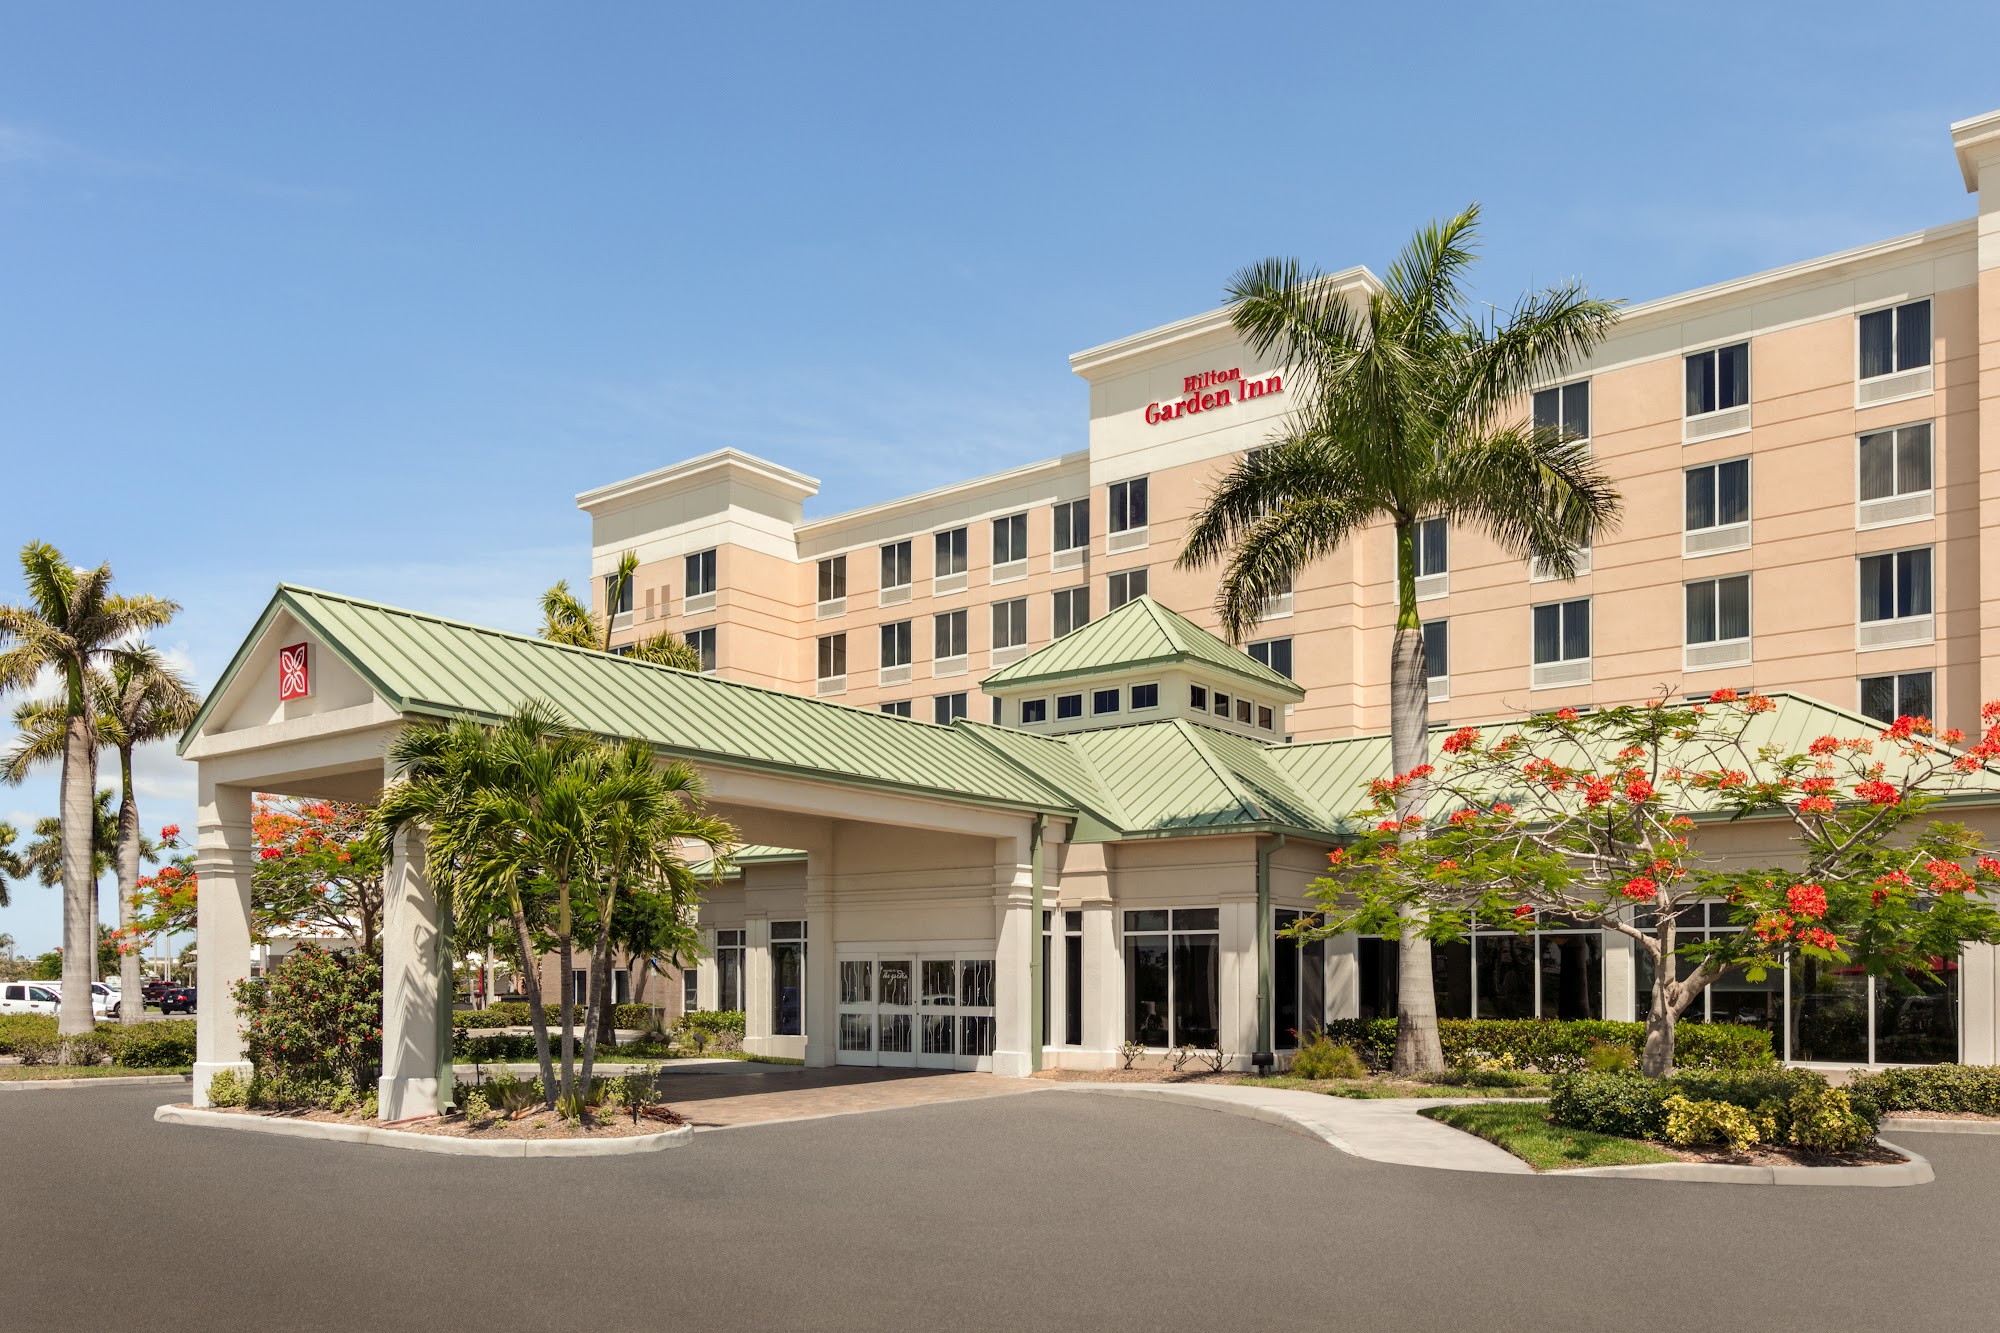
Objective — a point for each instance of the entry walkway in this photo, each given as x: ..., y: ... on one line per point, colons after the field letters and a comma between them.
x: 1379, y: 1129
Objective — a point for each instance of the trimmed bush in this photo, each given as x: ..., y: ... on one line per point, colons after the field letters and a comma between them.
x: 317, y: 1018
x: 35, y: 1049
x: 88, y: 1048
x: 1822, y: 1120
x: 1557, y: 1046
x: 225, y: 1089
x: 1628, y: 1105
x: 1691, y: 1122
x: 168, y: 1044
x: 1942, y: 1089
x: 14, y: 1027
x: 1795, y: 1102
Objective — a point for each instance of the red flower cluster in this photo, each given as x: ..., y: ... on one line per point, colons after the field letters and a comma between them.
x: 269, y: 853
x: 1948, y: 877
x: 1567, y: 715
x: 1816, y: 805
x: 1596, y: 791
x: 1463, y: 816
x: 1523, y: 910
x: 1461, y: 740
x: 1640, y: 888
x: 1773, y: 926
x: 1637, y: 790
x: 1808, y: 900
x: 1820, y: 936
x: 1824, y: 745
x: 170, y: 832
x: 1878, y: 793
x: 1723, y: 697
x: 1502, y: 808
x: 1988, y: 865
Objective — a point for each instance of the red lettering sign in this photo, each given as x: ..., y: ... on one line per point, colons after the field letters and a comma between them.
x: 294, y: 679
x: 1196, y: 393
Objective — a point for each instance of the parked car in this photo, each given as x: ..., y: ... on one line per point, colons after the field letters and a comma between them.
x: 151, y: 991
x: 177, y: 1000
x: 103, y: 1000
x: 29, y: 997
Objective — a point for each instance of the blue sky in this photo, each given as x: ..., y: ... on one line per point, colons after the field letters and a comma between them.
x: 362, y: 299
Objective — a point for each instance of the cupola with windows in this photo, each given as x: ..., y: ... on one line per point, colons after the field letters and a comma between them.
x: 1142, y: 663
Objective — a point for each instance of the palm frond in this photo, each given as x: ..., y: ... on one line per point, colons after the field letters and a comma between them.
x: 1537, y: 495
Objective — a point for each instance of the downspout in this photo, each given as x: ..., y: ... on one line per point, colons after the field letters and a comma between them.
x: 1262, y: 1058
x: 1035, y: 938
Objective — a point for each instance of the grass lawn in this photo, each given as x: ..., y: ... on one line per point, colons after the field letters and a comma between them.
x: 1385, y: 1087
x: 42, y: 1073
x: 1526, y: 1132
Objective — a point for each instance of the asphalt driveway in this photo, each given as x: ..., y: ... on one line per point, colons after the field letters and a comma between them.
x: 1068, y: 1211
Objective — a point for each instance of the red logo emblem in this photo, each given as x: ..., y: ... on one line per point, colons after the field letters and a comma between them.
x: 293, y: 680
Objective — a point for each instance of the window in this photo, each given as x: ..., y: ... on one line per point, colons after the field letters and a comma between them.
x: 1896, y: 584
x: 1010, y: 539
x: 1010, y: 624
x: 1145, y: 696
x: 1437, y: 649
x: 1073, y: 525
x: 1275, y: 654
x: 1104, y: 701
x: 996, y: 712
x: 1126, y: 585
x: 1069, y: 705
x: 1243, y: 711
x: 896, y: 565
x: 1895, y: 339
x: 1886, y: 698
x: 1433, y: 556
x: 1072, y: 978
x: 899, y: 708
x: 1265, y: 718
x: 1173, y: 977
x: 701, y: 573
x: 624, y: 607
x: 1718, y: 495
x: 1298, y: 984
x: 948, y: 708
x: 950, y: 553
x: 1718, y: 610
x: 1072, y: 610
x: 728, y: 970
x: 703, y: 643
x: 948, y: 635
x: 1198, y: 698
x: 788, y: 978
x: 832, y: 657
x: 1718, y: 379
x: 896, y: 643
x: 1034, y: 710
x: 1566, y: 408
x: 1732, y: 998
x: 1221, y: 702
x: 1128, y: 505
x: 1895, y: 462
x: 833, y: 579
x: 1562, y: 631
x: 690, y: 990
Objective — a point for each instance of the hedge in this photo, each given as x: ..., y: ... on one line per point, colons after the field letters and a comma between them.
x: 163, y: 1045
x: 1632, y: 1106
x: 1934, y: 1088
x: 514, y: 1014
x: 1557, y: 1046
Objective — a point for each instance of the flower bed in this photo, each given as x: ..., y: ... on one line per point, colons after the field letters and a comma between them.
x: 598, y: 1123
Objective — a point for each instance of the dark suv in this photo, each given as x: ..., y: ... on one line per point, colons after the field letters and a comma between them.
x: 177, y: 1000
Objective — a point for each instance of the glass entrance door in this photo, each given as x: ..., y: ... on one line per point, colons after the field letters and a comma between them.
x: 895, y: 1012
x: 937, y: 980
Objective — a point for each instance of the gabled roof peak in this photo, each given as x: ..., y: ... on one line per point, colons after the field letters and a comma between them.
x: 1141, y: 633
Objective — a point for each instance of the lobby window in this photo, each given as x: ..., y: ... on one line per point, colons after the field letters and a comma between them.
x: 1198, y: 698
x: 1298, y: 984
x: 1124, y: 586
x: 1718, y: 379
x: 728, y: 970
x: 700, y: 571
x: 1145, y: 696
x: 896, y: 643
x: 832, y: 658
x: 950, y: 553
x: 896, y: 565
x: 1275, y: 654
x: 948, y: 708
x: 1033, y: 711
x: 1553, y: 971
x: 1716, y: 512
x: 690, y: 990
x: 1895, y: 339
x: 1562, y: 643
x: 1128, y: 505
x: 1072, y: 525
x: 948, y: 635
x: 1905, y: 694
x: 1072, y: 609
x: 1104, y: 701
x: 1565, y: 408
x: 788, y: 978
x: 897, y: 708
x: 1010, y: 624
x: 1893, y: 475
x: 1432, y: 548
x: 705, y: 645
x: 833, y: 579
x: 1896, y: 585
x: 1173, y: 977
x: 1068, y: 705
x: 1010, y: 540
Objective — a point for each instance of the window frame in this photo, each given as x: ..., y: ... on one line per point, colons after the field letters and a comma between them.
x: 1896, y: 679
x: 897, y: 558
x: 949, y: 544
x: 949, y: 707
x: 1714, y: 354
x: 1713, y: 583
x: 1010, y: 542
x: 831, y: 651
x: 941, y: 641
x: 698, y: 570
x: 1015, y: 612
x: 1897, y: 502
x: 1063, y: 535
x: 1895, y: 313
x: 1114, y: 580
x: 1119, y: 506
x: 1562, y: 394
x: 1063, y: 606
x: 703, y: 642
x: 1270, y: 651
x: 897, y: 638
x: 832, y: 579
x: 1896, y: 582
x: 1173, y: 930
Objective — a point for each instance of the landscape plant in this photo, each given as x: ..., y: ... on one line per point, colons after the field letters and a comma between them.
x: 566, y: 618
x: 315, y: 1022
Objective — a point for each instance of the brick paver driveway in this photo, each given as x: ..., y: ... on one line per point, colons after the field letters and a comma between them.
x: 712, y: 1096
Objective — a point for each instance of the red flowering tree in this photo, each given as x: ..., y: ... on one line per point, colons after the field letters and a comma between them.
x: 1597, y: 817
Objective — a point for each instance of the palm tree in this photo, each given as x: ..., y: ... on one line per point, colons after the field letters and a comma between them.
x: 12, y: 866
x: 566, y: 619
x: 1408, y: 409
x: 71, y: 625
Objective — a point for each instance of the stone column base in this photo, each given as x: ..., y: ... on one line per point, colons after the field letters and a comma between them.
x: 1012, y: 1064
x: 404, y: 1098
x: 204, y: 1071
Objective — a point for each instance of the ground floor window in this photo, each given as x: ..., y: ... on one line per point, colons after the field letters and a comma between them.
x: 1298, y: 985
x: 728, y: 970
x: 1073, y: 978
x: 690, y: 990
x: 788, y: 978
x: 1173, y: 977
x: 1553, y: 971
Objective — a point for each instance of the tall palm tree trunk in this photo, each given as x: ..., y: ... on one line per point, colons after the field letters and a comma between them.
x: 131, y: 1006
x: 566, y: 957
x: 1417, y: 1046
x: 538, y: 1015
x: 79, y: 785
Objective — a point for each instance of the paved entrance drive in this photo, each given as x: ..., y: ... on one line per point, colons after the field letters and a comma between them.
x: 714, y: 1094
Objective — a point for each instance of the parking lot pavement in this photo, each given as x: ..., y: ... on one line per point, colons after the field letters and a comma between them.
x: 1045, y: 1211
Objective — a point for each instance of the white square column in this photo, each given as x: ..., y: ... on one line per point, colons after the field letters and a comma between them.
x: 1236, y: 1019
x: 1621, y: 970
x: 1343, y: 977
x: 1018, y: 936
x: 224, y: 861
x: 757, y: 1016
x: 822, y: 999
x: 411, y: 944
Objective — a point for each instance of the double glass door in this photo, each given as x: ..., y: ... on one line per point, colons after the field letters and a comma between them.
x: 916, y: 1011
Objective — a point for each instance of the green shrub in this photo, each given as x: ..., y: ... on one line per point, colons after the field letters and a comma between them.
x: 711, y: 1021
x: 641, y: 1016
x: 1608, y: 1057
x: 491, y: 1017
x: 1628, y: 1105
x: 317, y: 1018
x: 1942, y: 1089
x: 35, y: 1049
x: 1482, y: 1078
x: 1823, y: 1120
x: 1321, y: 1058
x: 87, y: 1048
x: 13, y: 1027
x: 226, y: 1089
x: 298, y: 1090
x: 1560, y: 1046
x: 496, y: 1048
x: 1692, y: 1122
x: 168, y: 1044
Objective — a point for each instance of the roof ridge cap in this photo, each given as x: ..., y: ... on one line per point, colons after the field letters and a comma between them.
x: 1222, y: 775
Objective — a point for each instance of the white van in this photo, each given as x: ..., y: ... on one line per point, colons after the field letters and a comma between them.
x: 103, y: 1000
x: 29, y: 997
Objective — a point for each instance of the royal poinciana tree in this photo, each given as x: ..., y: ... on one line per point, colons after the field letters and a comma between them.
x: 1599, y: 817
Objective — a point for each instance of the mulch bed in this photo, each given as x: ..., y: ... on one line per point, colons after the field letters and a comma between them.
x: 1771, y: 1154
x: 531, y: 1125
x: 1937, y: 1115
x: 1135, y: 1076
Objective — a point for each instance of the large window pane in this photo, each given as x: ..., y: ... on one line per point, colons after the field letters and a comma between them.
x: 1700, y: 498
x: 1451, y: 978
x: 1732, y: 375
x: 1576, y: 630
x: 1913, y: 459
x: 1829, y: 1012
x: 1376, y: 962
x: 1916, y: 1018
x: 1701, y: 612
x: 1878, y: 346
x: 1285, y: 1030
x: 1506, y: 975
x: 1197, y: 981
x: 1913, y: 695
x: 1734, y: 998
x: 1073, y: 990
x: 788, y: 988
x: 1913, y: 335
x: 1146, y: 964
x: 1576, y: 410
x: 1433, y: 550
x: 1548, y: 633
x: 1701, y: 384
x: 1437, y: 648
x: 1572, y: 976
x: 1878, y: 698
x: 1878, y: 587
x: 1732, y: 607
x: 1878, y: 465
x: 1732, y: 492
x: 1913, y: 583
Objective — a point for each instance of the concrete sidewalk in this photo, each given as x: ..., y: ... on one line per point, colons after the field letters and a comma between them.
x: 1379, y: 1129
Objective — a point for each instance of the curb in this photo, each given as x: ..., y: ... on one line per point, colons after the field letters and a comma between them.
x: 1899, y: 1123
x: 133, y: 1081
x: 1915, y: 1171
x: 678, y: 1137
x: 1270, y: 1115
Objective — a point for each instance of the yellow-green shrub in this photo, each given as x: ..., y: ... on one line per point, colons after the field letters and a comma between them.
x: 1321, y: 1058
x: 1691, y: 1122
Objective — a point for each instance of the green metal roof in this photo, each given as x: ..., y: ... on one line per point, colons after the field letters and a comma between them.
x: 1141, y: 633
x: 428, y: 665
